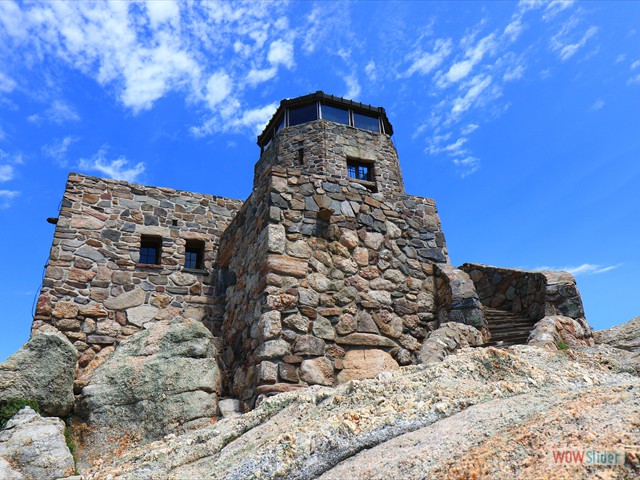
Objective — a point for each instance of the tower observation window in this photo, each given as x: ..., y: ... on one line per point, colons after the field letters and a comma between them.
x: 366, y: 122
x: 305, y: 114
x: 335, y: 114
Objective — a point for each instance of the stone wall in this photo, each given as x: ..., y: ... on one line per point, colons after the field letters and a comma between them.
x: 94, y: 289
x: 342, y: 269
x: 457, y: 298
x: 533, y: 294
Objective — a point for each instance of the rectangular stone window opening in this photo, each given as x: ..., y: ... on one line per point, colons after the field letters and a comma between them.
x: 150, y: 250
x: 362, y: 172
x: 194, y: 255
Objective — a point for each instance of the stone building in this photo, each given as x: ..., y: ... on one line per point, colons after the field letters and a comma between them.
x: 328, y: 272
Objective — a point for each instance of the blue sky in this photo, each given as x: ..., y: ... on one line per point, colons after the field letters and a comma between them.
x: 522, y: 119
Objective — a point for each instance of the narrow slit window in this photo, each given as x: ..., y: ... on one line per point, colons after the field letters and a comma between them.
x: 360, y: 170
x: 150, y: 250
x: 194, y: 254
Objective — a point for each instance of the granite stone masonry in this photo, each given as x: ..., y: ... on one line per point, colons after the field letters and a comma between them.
x: 328, y: 272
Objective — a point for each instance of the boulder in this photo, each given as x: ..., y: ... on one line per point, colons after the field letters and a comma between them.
x: 41, y: 370
x: 368, y: 363
x: 448, y: 338
x: 158, y: 381
x: 554, y: 330
x: 34, y: 448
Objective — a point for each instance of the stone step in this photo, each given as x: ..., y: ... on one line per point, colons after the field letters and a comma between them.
x: 507, y: 328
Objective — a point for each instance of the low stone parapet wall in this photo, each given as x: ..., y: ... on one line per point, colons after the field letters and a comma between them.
x: 532, y: 294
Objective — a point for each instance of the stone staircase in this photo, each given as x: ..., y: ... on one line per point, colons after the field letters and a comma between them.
x: 507, y: 328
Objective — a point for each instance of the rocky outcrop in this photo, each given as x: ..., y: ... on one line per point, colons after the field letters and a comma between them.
x: 41, y: 370
x: 554, y: 331
x: 34, y: 448
x: 447, y: 339
x: 626, y: 339
x: 483, y: 413
x: 158, y: 381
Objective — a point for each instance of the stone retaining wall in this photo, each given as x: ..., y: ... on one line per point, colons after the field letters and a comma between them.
x: 533, y: 294
x: 96, y: 292
x: 457, y: 298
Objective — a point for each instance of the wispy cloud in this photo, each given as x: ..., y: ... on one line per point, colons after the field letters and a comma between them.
x: 6, y: 198
x: 597, y: 105
x: 424, y: 63
x: 59, y: 113
x: 6, y: 173
x: 472, y: 56
x: 353, y: 87
x: 584, y: 269
x: 58, y: 149
x: 7, y: 84
x: 566, y: 42
x: 212, y: 53
x: 118, y: 168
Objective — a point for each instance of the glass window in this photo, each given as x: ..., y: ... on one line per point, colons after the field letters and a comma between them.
x: 360, y: 170
x: 334, y: 114
x: 280, y: 124
x: 150, y: 248
x: 304, y: 114
x: 194, y: 254
x: 366, y: 122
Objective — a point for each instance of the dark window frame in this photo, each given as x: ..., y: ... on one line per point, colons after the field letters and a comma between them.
x: 194, y: 254
x: 150, y: 250
x: 360, y: 170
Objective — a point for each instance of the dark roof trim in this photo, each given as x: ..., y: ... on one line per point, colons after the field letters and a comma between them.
x: 330, y: 99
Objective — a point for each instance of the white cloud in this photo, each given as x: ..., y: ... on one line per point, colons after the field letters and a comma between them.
x: 281, y: 53
x: 478, y: 85
x: 6, y: 173
x: 515, y: 73
x: 7, y: 84
x: 473, y: 55
x: 634, y: 80
x: 58, y: 149
x: 6, y: 198
x: 353, y: 87
x: 118, y: 169
x: 514, y: 29
x: 255, y: 77
x: 59, y: 113
x: 218, y: 88
x: 554, y: 7
x: 470, y: 128
x: 162, y: 12
x: 566, y: 50
x: 424, y: 63
x: 597, y: 105
x: 142, y: 53
x: 635, y: 65
x: 370, y: 70
x: 584, y: 269
x: 467, y: 165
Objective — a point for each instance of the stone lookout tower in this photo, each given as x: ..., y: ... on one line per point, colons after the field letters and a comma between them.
x: 328, y: 272
x: 329, y: 265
